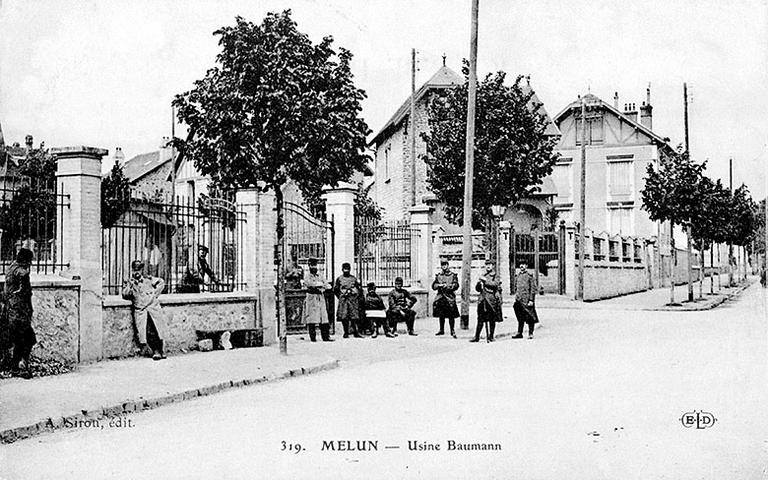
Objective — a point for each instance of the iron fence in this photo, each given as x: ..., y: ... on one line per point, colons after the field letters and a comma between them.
x: 192, y: 245
x: 384, y: 251
x: 31, y: 216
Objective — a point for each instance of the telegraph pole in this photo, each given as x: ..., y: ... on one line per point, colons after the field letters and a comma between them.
x: 413, y: 126
x: 582, y: 201
x: 469, y: 168
x: 689, y: 241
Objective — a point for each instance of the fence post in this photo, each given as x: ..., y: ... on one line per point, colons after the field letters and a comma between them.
x: 570, y: 260
x: 505, y: 232
x: 340, y: 209
x: 78, y: 174
x: 422, y: 266
x: 256, y: 254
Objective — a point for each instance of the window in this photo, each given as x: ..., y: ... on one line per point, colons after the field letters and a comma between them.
x: 386, y: 161
x: 594, y: 130
x: 620, y: 178
x: 562, y: 176
x: 620, y: 219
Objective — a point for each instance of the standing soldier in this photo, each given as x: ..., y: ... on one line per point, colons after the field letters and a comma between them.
x: 315, y: 311
x: 18, y: 298
x: 349, y: 292
x: 489, y: 303
x: 525, y: 295
x: 144, y: 291
x: 446, y: 283
x: 401, y: 304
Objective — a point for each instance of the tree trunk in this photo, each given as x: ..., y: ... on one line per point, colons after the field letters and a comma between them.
x: 701, y: 271
x: 282, y: 324
x: 672, y: 261
x: 730, y: 264
x: 712, y: 267
x: 689, y: 253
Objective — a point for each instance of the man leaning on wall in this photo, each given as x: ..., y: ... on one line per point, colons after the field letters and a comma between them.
x: 144, y: 291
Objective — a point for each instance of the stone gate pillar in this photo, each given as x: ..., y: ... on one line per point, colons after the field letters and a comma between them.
x: 340, y: 209
x: 257, y: 252
x: 505, y: 234
x: 78, y: 174
x: 422, y: 266
x: 570, y: 260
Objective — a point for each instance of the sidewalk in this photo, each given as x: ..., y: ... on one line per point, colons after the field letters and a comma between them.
x: 652, y: 300
x: 116, y: 387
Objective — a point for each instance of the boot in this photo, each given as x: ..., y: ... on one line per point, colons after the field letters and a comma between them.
x: 492, y: 329
x: 325, y: 332
x: 442, y: 327
x: 409, y: 323
x: 345, y: 325
x: 478, y: 331
x: 355, y: 331
x: 452, y: 324
x: 158, y: 354
x: 312, y: 332
x: 375, y: 332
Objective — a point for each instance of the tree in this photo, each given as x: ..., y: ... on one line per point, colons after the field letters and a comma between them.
x: 275, y: 107
x: 742, y: 225
x: 672, y: 193
x: 512, y: 153
x: 708, y: 225
x: 115, y: 196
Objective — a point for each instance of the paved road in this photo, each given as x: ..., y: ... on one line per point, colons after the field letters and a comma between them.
x: 598, y: 394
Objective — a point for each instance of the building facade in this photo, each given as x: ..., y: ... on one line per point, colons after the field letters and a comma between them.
x: 619, y: 148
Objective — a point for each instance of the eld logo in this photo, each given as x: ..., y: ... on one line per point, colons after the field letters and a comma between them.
x: 700, y: 420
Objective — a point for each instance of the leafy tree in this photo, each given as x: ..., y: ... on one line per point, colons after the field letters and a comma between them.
x: 712, y: 216
x: 672, y: 193
x: 276, y: 106
x: 29, y: 211
x: 512, y: 153
x: 115, y: 195
x: 742, y: 225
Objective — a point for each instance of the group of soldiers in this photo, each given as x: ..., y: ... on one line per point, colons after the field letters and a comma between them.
x: 363, y: 314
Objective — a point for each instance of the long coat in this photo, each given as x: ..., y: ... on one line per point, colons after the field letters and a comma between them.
x: 349, y: 292
x: 18, y: 305
x: 143, y: 294
x: 445, y: 300
x: 489, y: 303
x: 315, y: 310
x: 525, y: 292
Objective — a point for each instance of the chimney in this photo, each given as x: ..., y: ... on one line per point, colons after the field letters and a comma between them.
x: 646, y: 111
x: 630, y: 111
x: 28, y: 141
x: 616, y: 100
x: 119, y: 156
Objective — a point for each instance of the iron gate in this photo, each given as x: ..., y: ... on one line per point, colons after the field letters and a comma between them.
x: 544, y: 257
x: 307, y: 236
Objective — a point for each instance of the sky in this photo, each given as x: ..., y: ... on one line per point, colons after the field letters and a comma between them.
x: 103, y: 73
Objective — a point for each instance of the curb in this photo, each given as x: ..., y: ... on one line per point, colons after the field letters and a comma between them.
x: 706, y: 306
x: 131, y: 406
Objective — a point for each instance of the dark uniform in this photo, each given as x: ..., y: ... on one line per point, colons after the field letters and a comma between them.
x: 525, y: 294
x: 195, y: 277
x: 18, y: 304
x: 401, y: 304
x: 376, y: 312
x: 488, y: 305
x: 349, y: 292
x: 444, y: 305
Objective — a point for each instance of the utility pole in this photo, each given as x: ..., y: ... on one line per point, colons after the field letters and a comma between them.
x: 689, y: 241
x: 765, y: 223
x: 469, y: 171
x: 582, y: 201
x: 413, y: 126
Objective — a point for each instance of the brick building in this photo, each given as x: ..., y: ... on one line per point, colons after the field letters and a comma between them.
x: 394, y: 186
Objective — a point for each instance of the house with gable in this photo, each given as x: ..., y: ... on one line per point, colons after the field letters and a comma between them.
x: 395, y: 187
x: 619, y: 147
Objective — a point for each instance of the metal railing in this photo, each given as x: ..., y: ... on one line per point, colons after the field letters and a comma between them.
x: 384, y: 251
x: 31, y: 216
x: 170, y: 239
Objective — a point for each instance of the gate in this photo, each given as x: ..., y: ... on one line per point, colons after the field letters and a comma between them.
x: 544, y: 257
x: 307, y: 236
x: 384, y: 251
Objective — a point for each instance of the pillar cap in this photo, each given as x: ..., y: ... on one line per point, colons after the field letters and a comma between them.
x: 79, y: 151
x: 341, y: 187
x: 421, y: 209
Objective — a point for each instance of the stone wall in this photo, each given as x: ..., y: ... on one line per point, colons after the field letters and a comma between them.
x: 184, y: 314
x: 607, y: 281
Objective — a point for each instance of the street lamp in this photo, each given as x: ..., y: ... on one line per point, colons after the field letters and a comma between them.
x: 498, y: 212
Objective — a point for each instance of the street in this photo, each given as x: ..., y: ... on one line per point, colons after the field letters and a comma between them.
x: 597, y: 394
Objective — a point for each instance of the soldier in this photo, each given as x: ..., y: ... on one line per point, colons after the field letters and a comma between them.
x: 489, y: 303
x: 349, y: 292
x: 401, y: 304
x: 446, y: 283
x: 144, y: 292
x: 315, y: 310
x: 525, y: 295
x: 376, y: 311
x: 18, y: 302
x: 194, y: 277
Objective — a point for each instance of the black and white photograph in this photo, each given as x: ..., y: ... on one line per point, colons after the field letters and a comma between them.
x: 401, y: 239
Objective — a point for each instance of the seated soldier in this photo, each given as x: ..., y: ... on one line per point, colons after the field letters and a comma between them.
x: 401, y: 304
x: 375, y: 311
